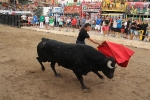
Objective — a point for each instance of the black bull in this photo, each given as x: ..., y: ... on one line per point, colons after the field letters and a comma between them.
x: 81, y: 59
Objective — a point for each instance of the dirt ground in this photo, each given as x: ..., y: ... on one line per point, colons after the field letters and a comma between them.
x: 21, y: 77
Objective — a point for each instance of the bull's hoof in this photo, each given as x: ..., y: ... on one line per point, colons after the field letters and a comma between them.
x: 86, y: 90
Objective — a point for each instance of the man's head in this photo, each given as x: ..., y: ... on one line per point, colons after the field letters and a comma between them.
x: 87, y: 27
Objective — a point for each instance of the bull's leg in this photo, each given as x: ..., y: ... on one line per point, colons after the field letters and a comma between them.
x: 53, y: 68
x: 80, y: 78
x: 42, y: 66
x: 98, y: 74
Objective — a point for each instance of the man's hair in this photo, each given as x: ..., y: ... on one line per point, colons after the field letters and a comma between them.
x: 86, y: 25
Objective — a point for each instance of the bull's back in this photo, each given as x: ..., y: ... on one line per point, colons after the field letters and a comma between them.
x: 66, y: 54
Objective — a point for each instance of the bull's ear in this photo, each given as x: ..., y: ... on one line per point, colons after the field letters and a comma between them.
x: 43, y: 39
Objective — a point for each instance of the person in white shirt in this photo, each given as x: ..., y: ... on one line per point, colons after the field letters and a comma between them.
x: 87, y: 20
x: 24, y: 19
x: 114, y: 29
x: 68, y: 23
x: 46, y: 22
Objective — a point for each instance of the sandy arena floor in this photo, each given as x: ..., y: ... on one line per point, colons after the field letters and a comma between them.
x: 21, y: 77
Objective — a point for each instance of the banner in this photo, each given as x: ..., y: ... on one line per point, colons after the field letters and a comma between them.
x: 72, y: 10
x: 57, y: 10
x: 91, y: 7
x: 138, y: 7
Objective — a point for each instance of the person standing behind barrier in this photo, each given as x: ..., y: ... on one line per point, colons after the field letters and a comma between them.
x: 106, y: 27
x: 78, y: 23
x: 133, y: 29
x: 123, y: 28
x: 93, y: 24
x: 29, y: 20
x: 74, y: 23
x: 148, y: 31
x: 68, y: 22
x: 145, y: 25
x: 125, y: 24
x: 83, y: 21
x: 127, y: 27
x: 119, y: 25
x: 60, y: 20
x: 87, y: 20
x: 114, y: 27
x: 98, y: 24
x: 139, y: 27
x: 32, y: 21
x: 51, y: 22
x: 35, y: 20
x: 24, y: 20
x: 42, y: 21
x: 46, y: 22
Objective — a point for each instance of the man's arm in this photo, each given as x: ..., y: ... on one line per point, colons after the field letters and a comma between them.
x: 94, y: 41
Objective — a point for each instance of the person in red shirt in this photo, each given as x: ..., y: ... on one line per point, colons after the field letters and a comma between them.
x: 74, y: 23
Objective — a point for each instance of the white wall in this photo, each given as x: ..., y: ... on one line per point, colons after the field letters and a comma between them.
x: 45, y: 10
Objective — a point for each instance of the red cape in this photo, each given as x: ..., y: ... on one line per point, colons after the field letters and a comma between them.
x: 121, y: 53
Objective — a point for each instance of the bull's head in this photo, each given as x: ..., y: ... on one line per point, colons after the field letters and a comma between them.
x: 110, y: 68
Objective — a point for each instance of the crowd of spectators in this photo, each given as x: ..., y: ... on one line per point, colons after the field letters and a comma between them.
x: 116, y: 27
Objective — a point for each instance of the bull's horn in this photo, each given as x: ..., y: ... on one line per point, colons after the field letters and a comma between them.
x: 109, y: 65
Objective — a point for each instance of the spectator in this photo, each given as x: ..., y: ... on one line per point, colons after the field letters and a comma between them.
x: 139, y: 27
x: 46, y: 22
x: 51, y: 22
x: 60, y: 20
x: 144, y: 27
x: 74, y: 23
x: 133, y: 29
x: 78, y: 23
x: 114, y: 27
x: 106, y: 27
x: 123, y: 29
x: 98, y: 24
x: 87, y: 20
x: 42, y: 21
x: 83, y: 21
x: 119, y: 25
x: 127, y: 27
x: 148, y: 32
x: 29, y: 20
x: 24, y: 19
x: 68, y: 23
x: 93, y: 24
x: 35, y: 21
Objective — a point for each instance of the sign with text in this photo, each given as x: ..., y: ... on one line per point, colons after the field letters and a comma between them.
x: 91, y: 7
x: 72, y: 10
